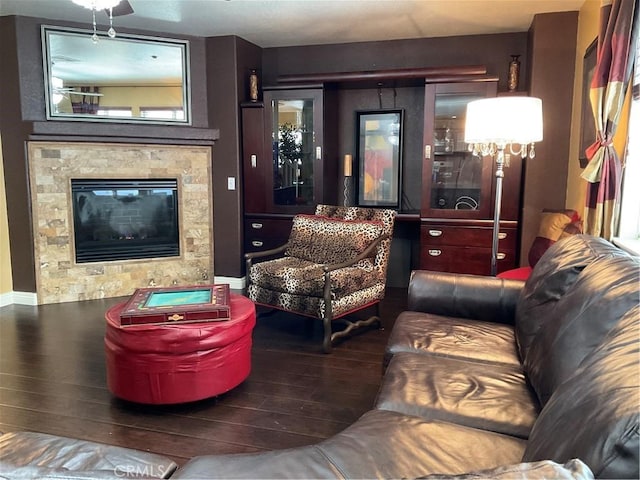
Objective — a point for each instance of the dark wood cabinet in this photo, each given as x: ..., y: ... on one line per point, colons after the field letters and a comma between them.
x: 466, y: 248
x: 458, y: 189
x: 264, y: 233
x: 299, y: 149
x: 455, y: 183
x: 289, y: 160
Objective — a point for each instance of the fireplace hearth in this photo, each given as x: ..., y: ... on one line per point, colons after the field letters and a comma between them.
x: 125, y: 219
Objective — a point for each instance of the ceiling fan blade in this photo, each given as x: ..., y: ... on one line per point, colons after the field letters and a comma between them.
x: 123, y: 8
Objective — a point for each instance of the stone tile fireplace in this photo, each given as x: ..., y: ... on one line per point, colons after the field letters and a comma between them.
x: 52, y: 166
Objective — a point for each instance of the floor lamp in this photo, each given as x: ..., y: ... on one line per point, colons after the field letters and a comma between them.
x: 492, y: 126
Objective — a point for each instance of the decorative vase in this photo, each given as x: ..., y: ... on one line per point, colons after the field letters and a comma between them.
x: 514, y: 73
x: 253, y: 86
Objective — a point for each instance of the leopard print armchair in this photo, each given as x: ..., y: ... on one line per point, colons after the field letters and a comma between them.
x: 334, y: 264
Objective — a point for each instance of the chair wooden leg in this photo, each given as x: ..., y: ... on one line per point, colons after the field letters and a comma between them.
x: 357, y: 324
x: 328, y: 313
x: 327, y: 341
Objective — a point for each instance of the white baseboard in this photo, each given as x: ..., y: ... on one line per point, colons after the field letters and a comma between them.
x: 18, y: 298
x: 234, y: 282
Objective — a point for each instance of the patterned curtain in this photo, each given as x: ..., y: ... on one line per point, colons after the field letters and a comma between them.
x: 616, y: 49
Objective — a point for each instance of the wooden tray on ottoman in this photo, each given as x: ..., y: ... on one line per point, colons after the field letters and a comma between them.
x: 157, y: 306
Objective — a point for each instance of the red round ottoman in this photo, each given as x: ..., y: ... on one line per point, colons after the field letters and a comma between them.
x: 164, y: 364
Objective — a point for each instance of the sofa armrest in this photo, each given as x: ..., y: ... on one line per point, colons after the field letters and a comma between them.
x: 466, y: 296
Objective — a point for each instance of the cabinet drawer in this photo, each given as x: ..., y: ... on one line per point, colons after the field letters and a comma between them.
x: 474, y: 260
x: 265, y: 233
x: 467, y: 236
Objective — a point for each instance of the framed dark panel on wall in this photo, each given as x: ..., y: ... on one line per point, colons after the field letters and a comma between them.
x: 587, y: 125
x: 379, y: 157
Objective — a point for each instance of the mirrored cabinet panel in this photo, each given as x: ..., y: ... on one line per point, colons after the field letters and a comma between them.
x: 295, y: 138
x: 458, y: 189
x: 286, y: 167
x: 457, y: 184
x: 293, y: 150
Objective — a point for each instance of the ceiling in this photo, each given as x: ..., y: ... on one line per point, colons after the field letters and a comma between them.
x: 279, y: 23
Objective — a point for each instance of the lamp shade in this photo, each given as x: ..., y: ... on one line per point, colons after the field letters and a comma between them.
x: 504, y: 120
x: 97, y: 4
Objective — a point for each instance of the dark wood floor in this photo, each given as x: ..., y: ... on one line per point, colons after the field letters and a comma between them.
x: 53, y: 380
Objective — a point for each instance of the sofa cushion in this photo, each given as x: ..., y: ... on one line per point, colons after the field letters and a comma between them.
x: 384, y: 444
x: 380, y: 444
x: 293, y: 463
x: 32, y: 472
x: 488, y: 397
x: 544, y: 470
x: 475, y: 340
x: 595, y: 415
x: 302, y: 277
x: 326, y: 240
x: 554, y: 274
x: 603, y: 292
x: 31, y: 453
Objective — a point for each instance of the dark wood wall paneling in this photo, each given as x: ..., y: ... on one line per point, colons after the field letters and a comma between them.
x: 493, y: 51
x: 229, y: 60
x: 552, y: 41
x: 14, y: 132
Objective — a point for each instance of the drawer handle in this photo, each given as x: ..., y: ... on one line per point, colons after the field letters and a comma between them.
x: 435, y: 253
x: 257, y: 226
x: 501, y: 256
x: 502, y: 235
x: 257, y: 243
x: 435, y: 233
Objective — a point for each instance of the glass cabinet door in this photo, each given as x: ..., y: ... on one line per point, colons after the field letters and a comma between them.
x: 458, y: 184
x: 296, y: 131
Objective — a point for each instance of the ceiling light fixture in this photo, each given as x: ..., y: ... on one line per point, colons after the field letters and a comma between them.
x: 95, y: 5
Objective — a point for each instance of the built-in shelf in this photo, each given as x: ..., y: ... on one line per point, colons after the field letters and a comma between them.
x: 395, y: 77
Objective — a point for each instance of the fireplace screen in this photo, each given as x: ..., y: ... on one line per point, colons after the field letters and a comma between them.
x: 125, y: 219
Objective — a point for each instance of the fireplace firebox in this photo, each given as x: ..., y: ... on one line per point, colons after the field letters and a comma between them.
x: 125, y: 219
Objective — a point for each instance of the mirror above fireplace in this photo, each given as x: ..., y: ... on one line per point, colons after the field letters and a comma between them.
x: 130, y: 78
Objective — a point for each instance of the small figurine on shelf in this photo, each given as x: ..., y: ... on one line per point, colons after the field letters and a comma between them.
x: 514, y: 73
x: 253, y: 85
